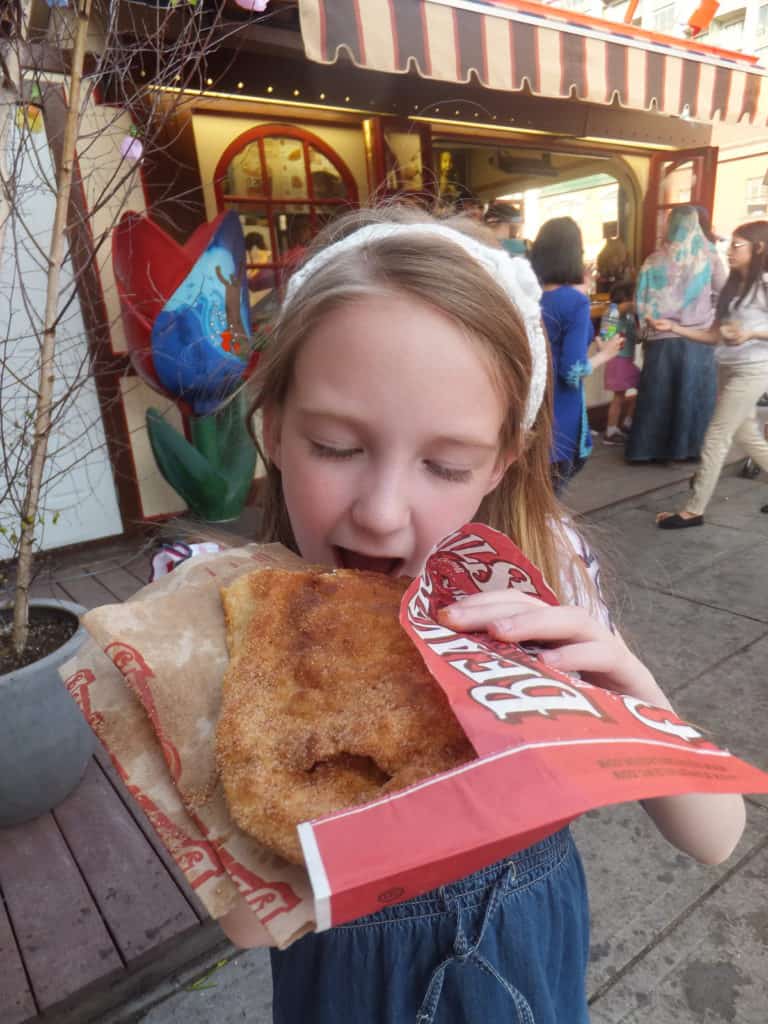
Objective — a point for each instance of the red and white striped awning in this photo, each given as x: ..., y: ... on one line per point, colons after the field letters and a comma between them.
x: 511, y: 44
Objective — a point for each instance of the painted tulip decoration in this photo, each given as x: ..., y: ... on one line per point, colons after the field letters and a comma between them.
x: 187, y: 322
x: 253, y: 5
x: 201, y: 341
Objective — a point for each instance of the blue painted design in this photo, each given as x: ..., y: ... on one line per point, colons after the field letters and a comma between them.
x: 575, y: 372
x: 585, y: 435
x: 201, y: 338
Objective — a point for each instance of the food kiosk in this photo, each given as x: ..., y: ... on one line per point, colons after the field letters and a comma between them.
x: 315, y: 107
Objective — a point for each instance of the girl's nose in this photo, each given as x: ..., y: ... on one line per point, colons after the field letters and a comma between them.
x: 382, y: 506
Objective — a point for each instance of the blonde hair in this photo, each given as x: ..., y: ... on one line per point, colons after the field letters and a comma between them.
x: 523, y: 504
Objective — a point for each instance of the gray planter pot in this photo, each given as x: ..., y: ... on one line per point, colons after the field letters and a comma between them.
x: 45, y: 742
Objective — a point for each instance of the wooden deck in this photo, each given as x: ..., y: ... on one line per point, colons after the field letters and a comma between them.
x: 93, y: 911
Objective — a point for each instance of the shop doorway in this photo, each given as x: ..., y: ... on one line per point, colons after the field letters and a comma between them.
x: 684, y: 176
x: 597, y: 189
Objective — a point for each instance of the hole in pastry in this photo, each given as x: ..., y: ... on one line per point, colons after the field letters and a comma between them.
x: 365, y: 768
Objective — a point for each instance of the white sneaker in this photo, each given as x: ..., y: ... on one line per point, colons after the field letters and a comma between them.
x: 614, y: 436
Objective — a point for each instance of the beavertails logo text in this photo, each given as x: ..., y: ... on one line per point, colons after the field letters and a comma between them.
x: 504, y: 683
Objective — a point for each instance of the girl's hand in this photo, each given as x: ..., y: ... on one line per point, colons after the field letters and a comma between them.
x: 662, y: 325
x: 732, y: 334
x: 706, y: 826
x: 610, y: 346
x: 578, y: 642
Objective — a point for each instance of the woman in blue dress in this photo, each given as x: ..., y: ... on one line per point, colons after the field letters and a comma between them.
x: 557, y: 257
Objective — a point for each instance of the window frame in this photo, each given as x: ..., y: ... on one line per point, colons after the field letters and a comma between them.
x: 266, y: 201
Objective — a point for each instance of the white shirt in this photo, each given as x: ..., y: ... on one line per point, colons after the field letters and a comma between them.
x: 751, y: 315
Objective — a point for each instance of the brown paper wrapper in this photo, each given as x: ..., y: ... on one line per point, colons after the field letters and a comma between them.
x: 154, y: 703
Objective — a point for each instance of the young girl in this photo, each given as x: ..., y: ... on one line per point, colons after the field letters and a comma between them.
x: 621, y: 373
x: 740, y: 332
x: 402, y: 396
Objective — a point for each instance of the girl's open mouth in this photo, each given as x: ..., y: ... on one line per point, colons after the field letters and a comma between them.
x: 347, y: 559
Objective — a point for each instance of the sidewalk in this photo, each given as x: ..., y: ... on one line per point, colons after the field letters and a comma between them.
x: 673, y: 942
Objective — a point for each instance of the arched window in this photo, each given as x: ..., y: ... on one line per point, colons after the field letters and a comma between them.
x: 285, y: 183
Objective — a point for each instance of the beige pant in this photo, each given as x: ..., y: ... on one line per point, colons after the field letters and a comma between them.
x: 734, y: 419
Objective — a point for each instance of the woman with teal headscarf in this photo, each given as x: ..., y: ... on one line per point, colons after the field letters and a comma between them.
x: 676, y: 394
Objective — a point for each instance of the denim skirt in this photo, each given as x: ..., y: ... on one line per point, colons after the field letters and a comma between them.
x: 675, y: 401
x: 509, y: 943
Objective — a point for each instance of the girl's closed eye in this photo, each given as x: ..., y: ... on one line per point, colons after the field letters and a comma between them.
x: 450, y: 473
x: 331, y: 451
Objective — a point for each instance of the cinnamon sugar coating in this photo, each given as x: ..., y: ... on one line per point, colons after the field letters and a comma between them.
x: 326, y: 703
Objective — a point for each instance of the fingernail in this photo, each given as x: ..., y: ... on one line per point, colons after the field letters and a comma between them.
x: 449, y: 614
x: 551, y: 657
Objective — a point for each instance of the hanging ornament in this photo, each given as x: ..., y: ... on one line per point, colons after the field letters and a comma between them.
x: 253, y: 5
x: 30, y: 115
x: 132, y: 148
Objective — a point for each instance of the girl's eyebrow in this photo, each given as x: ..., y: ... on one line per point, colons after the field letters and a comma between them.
x: 464, y: 442
x: 341, y: 419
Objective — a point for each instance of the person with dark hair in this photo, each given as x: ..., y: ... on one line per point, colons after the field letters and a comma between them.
x: 259, y: 278
x: 557, y: 254
x: 557, y: 258
x: 506, y: 222
x: 253, y: 240
x: 676, y: 394
x: 612, y: 264
x: 740, y: 332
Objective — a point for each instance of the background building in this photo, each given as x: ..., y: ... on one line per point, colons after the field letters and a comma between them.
x: 741, y: 191
x: 293, y: 119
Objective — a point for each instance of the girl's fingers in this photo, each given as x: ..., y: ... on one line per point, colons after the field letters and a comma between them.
x: 492, y: 596
x: 579, y: 642
x: 591, y: 656
x: 480, y: 616
x: 552, y: 625
x: 477, y: 610
x: 542, y: 622
x: 611, y: 666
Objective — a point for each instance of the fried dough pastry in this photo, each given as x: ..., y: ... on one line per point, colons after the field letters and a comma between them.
x: 326, y: 702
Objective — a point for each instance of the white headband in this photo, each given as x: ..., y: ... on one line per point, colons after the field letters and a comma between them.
x: 514, y: 274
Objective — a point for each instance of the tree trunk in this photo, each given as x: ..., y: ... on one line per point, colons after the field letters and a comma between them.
x: 47, y: 371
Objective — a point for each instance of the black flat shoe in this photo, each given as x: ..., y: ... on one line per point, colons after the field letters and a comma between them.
x: 676, y: 522
x: 750, y: 470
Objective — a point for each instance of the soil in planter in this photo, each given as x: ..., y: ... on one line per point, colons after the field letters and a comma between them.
x: 49, y: 629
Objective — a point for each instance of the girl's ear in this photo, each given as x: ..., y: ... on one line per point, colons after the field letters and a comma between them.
x: 271, y: 421
x: 502, y: 465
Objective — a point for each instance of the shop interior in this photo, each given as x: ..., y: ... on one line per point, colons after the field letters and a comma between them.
x: 286, y: 182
